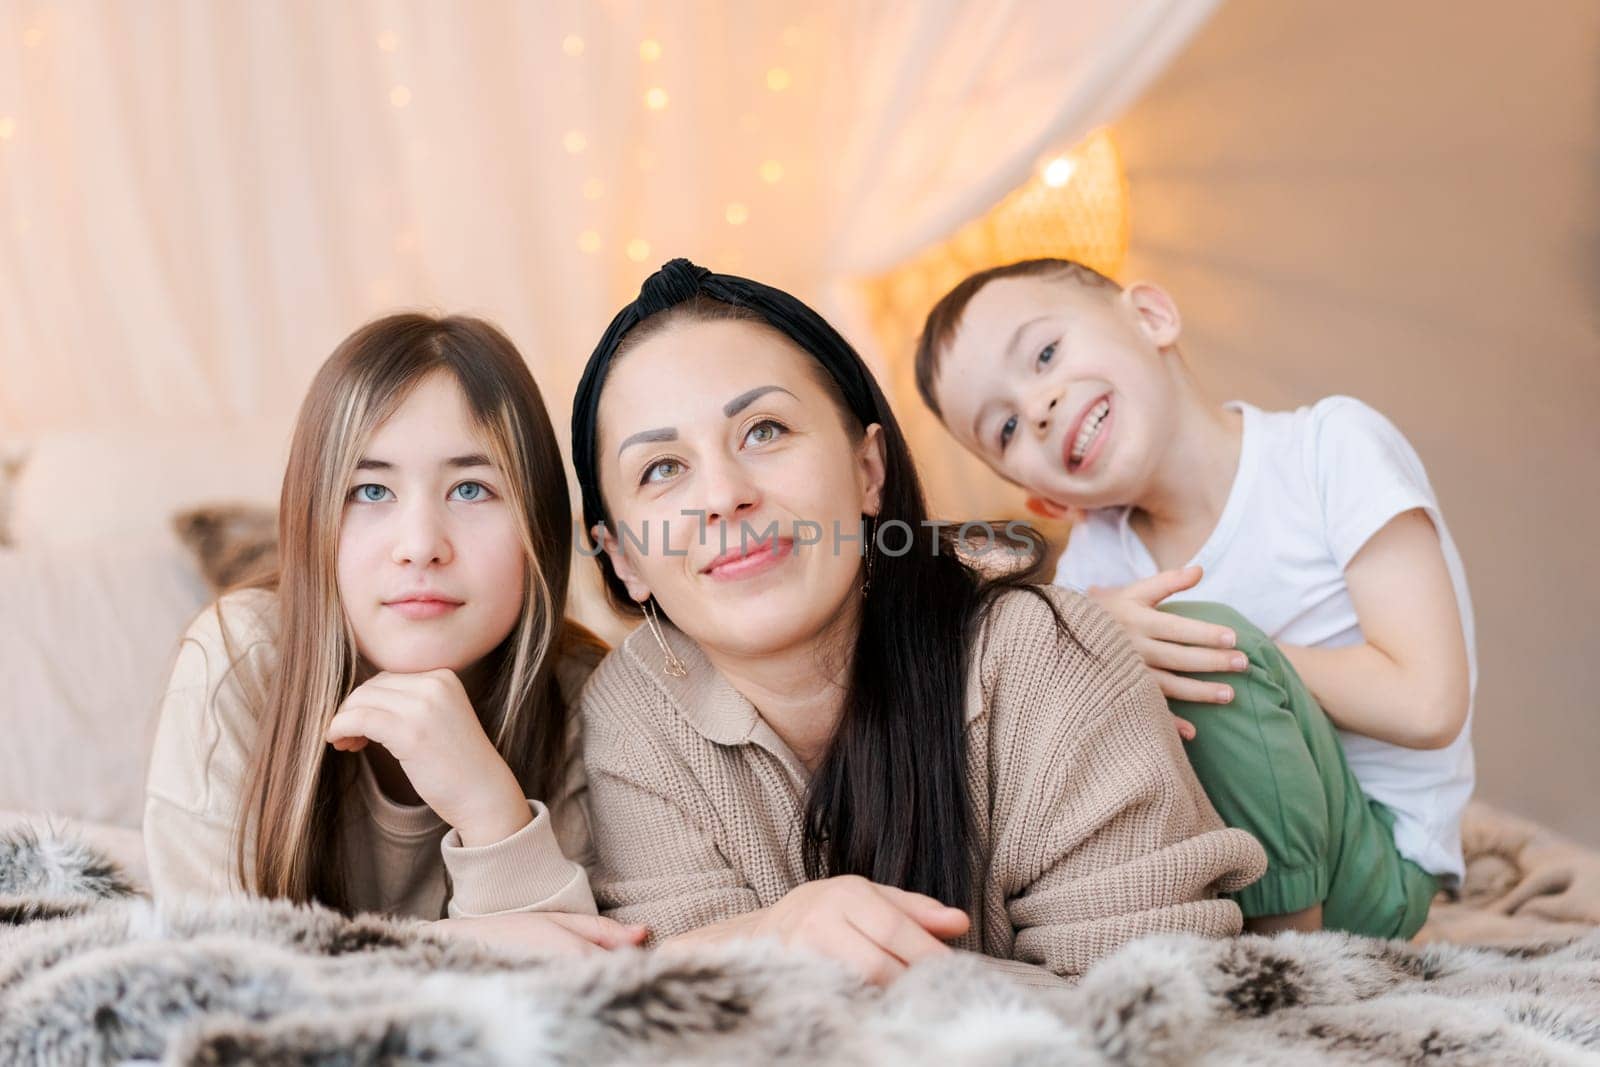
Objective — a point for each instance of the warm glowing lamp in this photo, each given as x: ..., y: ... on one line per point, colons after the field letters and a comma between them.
x: 1074, y: 206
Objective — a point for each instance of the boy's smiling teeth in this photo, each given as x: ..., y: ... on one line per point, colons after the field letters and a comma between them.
x: 1090, y: 427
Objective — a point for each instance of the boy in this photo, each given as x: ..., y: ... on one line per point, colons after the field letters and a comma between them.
x: 1345, y: 741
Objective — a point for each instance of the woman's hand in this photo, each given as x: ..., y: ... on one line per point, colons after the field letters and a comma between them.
x: 428, y: 725
x: 876, y: 930
x: 544, y: 933
x: 1170, y: 644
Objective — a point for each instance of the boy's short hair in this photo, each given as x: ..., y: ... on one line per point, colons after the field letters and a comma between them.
x: 945, y: 317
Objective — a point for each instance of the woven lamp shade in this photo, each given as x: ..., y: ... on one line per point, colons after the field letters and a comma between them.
x: 1075, y: 207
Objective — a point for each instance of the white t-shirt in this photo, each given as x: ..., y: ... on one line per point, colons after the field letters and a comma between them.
x: 1313, y: 485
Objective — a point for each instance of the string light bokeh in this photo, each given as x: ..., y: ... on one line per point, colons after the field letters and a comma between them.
x: 633, y: 137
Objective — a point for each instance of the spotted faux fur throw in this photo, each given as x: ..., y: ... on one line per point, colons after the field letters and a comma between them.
x: 90, y: 974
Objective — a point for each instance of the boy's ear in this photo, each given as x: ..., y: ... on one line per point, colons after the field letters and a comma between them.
x: 1156, y: 311
x: 620, y: 562
x: 1049, y: 509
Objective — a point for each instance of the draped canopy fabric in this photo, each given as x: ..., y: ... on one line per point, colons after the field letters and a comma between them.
x: 197, y: 200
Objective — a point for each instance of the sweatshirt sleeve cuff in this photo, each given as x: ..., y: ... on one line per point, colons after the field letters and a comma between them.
x: 523, y: 872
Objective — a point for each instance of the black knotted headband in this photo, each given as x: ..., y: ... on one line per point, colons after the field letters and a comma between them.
x: 681, y: 280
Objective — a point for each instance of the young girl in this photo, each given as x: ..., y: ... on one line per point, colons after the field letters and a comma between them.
x: 386, y: 724
x: 868, y: 757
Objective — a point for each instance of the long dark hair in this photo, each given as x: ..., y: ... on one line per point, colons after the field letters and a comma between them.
x: 889, y: 799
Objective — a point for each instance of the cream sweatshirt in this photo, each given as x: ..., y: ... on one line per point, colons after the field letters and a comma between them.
x: 403, y: 859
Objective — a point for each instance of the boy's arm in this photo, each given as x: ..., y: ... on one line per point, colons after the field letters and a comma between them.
x: 1407, y: 683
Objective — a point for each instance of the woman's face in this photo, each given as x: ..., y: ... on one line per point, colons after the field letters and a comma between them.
x: 734, y: 488
x: 431, y: 562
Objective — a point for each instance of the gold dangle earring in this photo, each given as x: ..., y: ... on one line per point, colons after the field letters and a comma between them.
x: 872, y: 554
x: 675, y: 665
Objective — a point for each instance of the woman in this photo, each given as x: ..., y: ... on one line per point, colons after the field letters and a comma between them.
x: 874, y: 754
x: 386, y: 725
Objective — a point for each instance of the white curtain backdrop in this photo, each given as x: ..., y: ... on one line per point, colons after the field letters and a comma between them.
x: 199, y: 199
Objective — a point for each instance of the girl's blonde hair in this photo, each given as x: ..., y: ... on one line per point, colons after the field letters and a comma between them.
x: 287, y: 835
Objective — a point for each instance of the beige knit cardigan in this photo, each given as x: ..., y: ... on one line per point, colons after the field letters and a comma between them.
x: 1091, y: 827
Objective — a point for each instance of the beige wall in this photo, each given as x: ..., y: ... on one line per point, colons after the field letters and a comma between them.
x: 1401, y: 201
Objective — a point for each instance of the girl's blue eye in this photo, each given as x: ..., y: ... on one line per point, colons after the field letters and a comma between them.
x: 469, y: 492
x: 1006, y: 431
x: 773, y: 431
x: 661, y: 471
x: 369, y: 493
x: 1047, y: 353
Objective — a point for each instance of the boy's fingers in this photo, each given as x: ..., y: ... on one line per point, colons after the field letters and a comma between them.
x: 1179, y: 687
x: 1541, y: 883
x: 1166, y: 656
x: 1165, y: 626
x: 1156, y: 588
x: 1184, y: 727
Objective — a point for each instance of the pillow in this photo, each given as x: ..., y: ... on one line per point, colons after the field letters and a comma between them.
x: 122, y: 484
x: 232, y: 543
x: 87, y: 639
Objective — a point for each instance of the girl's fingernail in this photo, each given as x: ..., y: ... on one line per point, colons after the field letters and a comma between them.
x: 1240, y: 663
x: 1224, y: 695
x: 1228, y: 639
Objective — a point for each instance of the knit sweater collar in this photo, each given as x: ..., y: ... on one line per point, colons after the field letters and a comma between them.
x: 705, y: 699
x: 709, y: 703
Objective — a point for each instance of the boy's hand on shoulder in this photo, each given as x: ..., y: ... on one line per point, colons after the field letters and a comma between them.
x: 1170, y: 644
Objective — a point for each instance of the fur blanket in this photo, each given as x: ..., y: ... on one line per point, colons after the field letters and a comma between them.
x: 89, y: 974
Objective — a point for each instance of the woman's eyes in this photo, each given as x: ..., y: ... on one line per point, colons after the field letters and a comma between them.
x: 773, y: 428
x: 660, y: 471
x: 762, y: 433
x: 466, y: 492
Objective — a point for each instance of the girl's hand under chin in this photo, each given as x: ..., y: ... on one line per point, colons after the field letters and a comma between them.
x: 428, y: 725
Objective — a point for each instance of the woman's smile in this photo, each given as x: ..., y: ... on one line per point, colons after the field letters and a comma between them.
x: 750, y: 560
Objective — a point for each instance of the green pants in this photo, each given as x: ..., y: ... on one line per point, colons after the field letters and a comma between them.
x: 1272, y: 764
